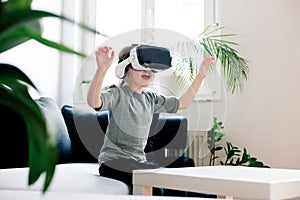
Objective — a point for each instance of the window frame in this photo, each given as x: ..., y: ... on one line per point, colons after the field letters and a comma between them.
x: 86, y: 13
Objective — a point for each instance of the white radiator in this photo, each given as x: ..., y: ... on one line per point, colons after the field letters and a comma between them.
x: 196, y: 148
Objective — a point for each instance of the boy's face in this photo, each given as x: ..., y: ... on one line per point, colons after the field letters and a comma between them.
x: 140, y: 78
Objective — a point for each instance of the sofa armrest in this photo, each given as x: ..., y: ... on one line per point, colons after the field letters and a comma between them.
x: 169, y: 134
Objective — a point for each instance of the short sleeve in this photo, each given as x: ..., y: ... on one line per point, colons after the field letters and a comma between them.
x: 109, y: 98
x: 165, y: 104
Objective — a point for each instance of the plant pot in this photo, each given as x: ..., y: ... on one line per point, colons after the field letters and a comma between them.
x: 84, y: 90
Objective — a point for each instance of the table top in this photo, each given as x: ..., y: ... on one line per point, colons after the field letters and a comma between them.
x: 237, y: 173
x: 237, y: 181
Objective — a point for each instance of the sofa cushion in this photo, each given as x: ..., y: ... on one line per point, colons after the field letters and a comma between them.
x: 86, y: 130
x: 55, y: 121
x: 81, y: 178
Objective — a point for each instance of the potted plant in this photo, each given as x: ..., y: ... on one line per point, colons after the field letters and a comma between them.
x: 85, y: 84
x: 20, y: 23
x: 214, y: 136
x: 233, y: 154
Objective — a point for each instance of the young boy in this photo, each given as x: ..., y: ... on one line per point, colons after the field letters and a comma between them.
x: 130, y: 112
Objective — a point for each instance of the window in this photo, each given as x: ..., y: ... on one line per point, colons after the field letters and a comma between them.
x: 183, y: 16
x: 186, y: 17
x: 114, y: 17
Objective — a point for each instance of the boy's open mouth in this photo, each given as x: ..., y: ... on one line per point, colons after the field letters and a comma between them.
x: 146, y: 76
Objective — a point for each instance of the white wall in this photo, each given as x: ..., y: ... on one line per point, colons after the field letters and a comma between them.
x: 265, y: 116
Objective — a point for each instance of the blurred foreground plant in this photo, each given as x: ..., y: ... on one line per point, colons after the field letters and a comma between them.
x: 20, y: 23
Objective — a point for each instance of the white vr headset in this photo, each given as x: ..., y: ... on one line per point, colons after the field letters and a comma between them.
x: 145, y: 57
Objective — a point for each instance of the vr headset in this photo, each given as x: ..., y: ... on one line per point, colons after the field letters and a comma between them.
x: 145, y: 57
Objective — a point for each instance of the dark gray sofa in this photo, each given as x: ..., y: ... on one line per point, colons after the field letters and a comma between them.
x: 80, y: 134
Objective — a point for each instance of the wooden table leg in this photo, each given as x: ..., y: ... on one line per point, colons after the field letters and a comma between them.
x: 224, y: 197
x: 142, y: 190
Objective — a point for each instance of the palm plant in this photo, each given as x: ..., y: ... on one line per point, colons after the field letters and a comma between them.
x: 20, y: 23
x: 234, y: 66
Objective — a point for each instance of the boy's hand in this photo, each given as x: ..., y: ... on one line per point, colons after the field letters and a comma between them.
x: 205, y: 65
x: 104, y: 57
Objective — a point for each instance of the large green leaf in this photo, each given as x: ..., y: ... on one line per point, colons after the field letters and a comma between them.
x: 10, y: 6
x: 16, y: 35
x: 42, y: 153
x: 21, y: 24
x: 9, y: 73
x: 18, y: 15
x: 15, y: 4
x: 14, y: 95
x: 22, y: 34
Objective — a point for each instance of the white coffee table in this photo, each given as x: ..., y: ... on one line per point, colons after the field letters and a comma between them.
x: 236, y: 181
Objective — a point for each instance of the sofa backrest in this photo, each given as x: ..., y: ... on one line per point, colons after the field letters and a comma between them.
x: 87, y: 130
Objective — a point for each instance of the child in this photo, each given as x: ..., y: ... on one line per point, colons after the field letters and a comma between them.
x: 130, y: 113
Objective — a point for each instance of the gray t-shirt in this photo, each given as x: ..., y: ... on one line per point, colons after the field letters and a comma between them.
x: 130, y: 117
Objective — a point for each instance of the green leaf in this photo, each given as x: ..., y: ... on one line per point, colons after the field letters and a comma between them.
x: 218, y: 148
x: 15, y: 4
x: 11, y: 33
x: 39, y: 145
x: 207, y: 30
x: 219, y: 135
x: 9, y: 74
x: 215, y: 157
x: 221, y: 35
x: 43, y: 152
x: 24, y: 34
x: 253, y: 159
x: 23, y: 15
x: 21, y: 24
x: 237, y: 161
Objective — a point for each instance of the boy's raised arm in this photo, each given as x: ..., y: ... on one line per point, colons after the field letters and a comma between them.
x: 104, y: 58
